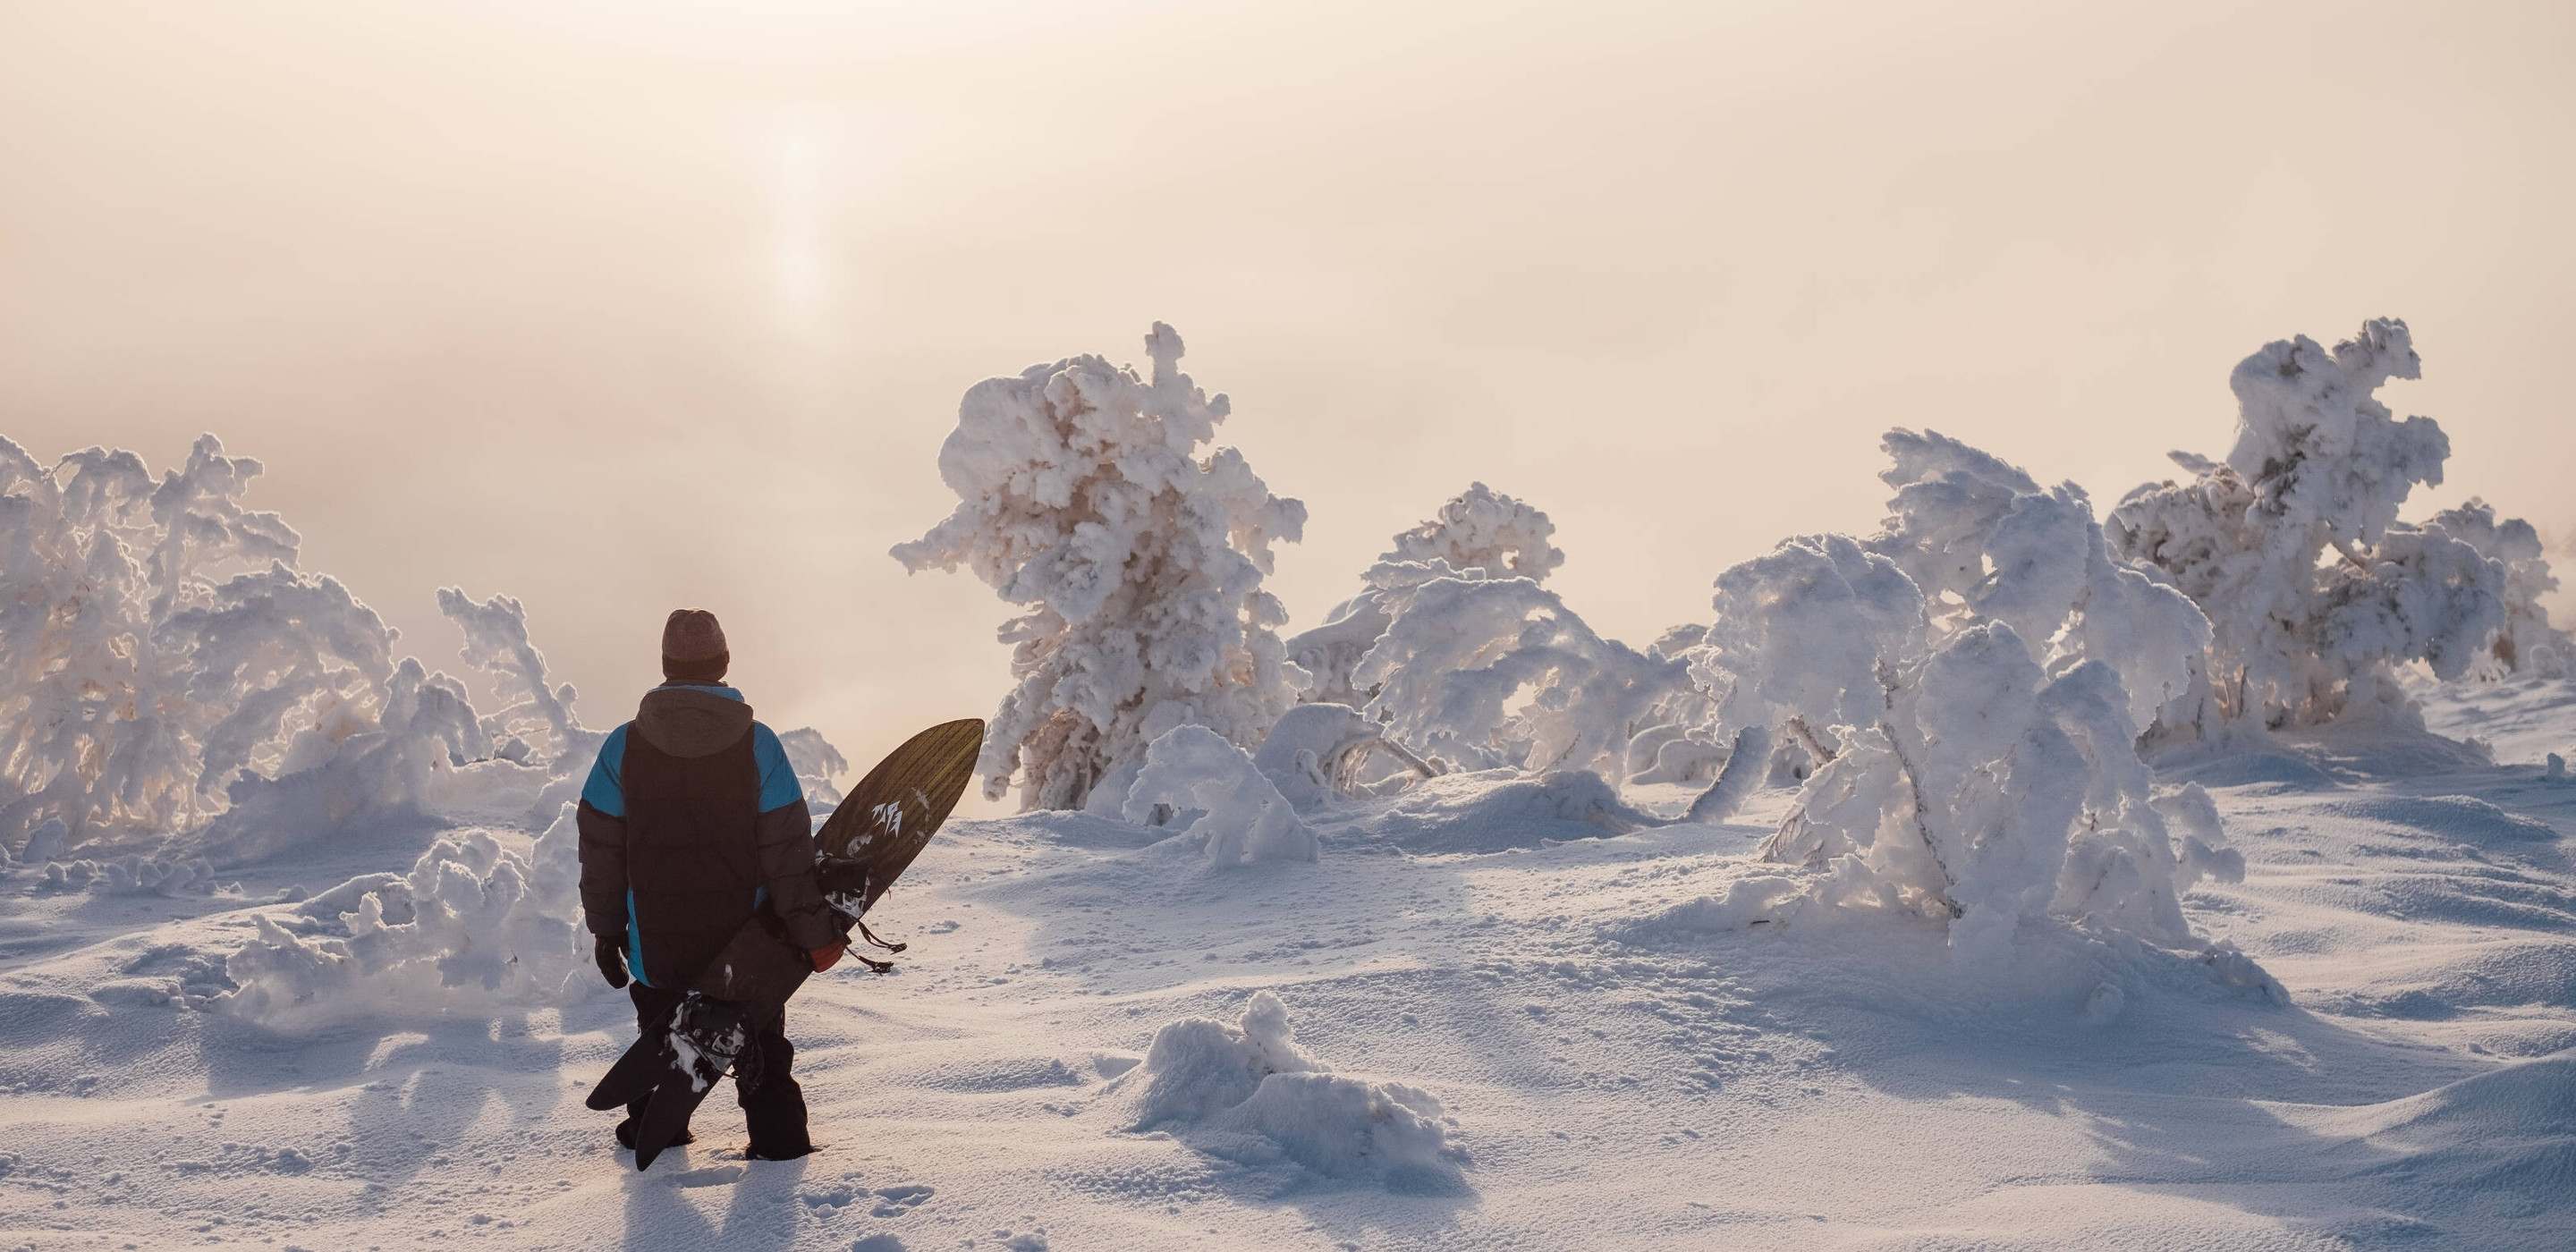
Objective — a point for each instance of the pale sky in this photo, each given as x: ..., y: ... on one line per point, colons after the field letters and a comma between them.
x: 617, y: 306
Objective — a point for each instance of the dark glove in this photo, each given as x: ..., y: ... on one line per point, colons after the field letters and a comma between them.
x: 610, y: 952
x: 827, y: 956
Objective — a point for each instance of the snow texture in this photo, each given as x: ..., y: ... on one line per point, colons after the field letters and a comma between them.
x: 1242, y: 818
x: 1247, y: 1092
x: 1631, y: 1030
x: 2293, y: 548
x: 1086, y: 494
x: 1481, y: 529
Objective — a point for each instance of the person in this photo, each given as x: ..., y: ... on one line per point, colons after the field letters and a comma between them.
x: 692, y: 820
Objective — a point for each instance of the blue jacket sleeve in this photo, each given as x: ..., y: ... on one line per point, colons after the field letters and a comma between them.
x: 603, y: 791
x: 778, y: 784
x: 601, y: 820
x: 786, y: 838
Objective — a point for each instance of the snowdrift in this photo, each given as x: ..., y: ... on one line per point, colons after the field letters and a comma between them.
x: 1245, y: 1091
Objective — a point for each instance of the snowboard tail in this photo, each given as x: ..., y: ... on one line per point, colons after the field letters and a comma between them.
x: 706, y: 1037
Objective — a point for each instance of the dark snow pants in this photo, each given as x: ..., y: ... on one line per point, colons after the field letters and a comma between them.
x: 774, y: 1109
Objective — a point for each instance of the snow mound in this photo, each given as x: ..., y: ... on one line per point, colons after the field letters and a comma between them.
x: 1750, y: 900
x: 1246, y: 1092
x: 472, y: 925
x: 1494, y: 811
x: 2497, y: 1141
x: 1242, y: 817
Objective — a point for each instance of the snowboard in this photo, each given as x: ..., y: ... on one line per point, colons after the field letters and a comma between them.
x: 863, y: 847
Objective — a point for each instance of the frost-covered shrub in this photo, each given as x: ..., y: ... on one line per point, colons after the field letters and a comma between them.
x: 1455, y: 647
x: 159, y: 646
x: 1983, y: 541
x: 2528, y: 644
x: 532, y: 711
x: 1243, y: 818
x: 1484, y: 673
x: 1478, y: 533
x: 1957, y: 681
x: 166, y: 671
x: 1247, y: 1092
x: 2292, y: 547
x: 1086, y: 493
x: 1992, y: 794
x: 473, y: 924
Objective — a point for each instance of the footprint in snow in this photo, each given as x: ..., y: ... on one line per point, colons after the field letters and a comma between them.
x: 897, y: 1201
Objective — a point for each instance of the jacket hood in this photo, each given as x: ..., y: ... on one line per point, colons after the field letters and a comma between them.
x: 691, y: 721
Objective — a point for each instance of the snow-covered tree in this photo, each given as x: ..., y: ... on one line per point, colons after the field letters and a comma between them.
x: 2292, y: 547
x: 1457, y: 650
x: 1957, y: 681
x: 1494, y: 672
x: 2528, y: 644
x: 160, y: 648
x: 1477, y: 534
x: 1087, y: 494
x: 167, y: 671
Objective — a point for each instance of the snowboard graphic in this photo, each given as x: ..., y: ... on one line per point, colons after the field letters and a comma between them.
x: 864, y: 846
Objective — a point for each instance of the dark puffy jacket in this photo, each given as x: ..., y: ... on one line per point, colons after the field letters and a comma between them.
x: 692, y: 820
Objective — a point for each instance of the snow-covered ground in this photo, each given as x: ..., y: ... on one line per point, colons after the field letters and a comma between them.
x: 1499, y: 1026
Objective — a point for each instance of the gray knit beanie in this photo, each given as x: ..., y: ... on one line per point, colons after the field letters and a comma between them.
x: 692, y: 635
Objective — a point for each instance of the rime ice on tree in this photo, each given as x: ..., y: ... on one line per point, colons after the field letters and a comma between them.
x: 1478, y: 533
x: 2293, y: 548
x: 165, y: 661
x: 1457, y: 649
x: 2528, y: 644
x: 1084, y: 493
x: 1957, y: 683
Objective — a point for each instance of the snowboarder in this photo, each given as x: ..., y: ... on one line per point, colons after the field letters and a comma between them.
x: 691, y: 822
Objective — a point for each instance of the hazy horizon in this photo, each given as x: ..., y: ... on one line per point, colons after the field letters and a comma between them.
x: 614, y: 308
